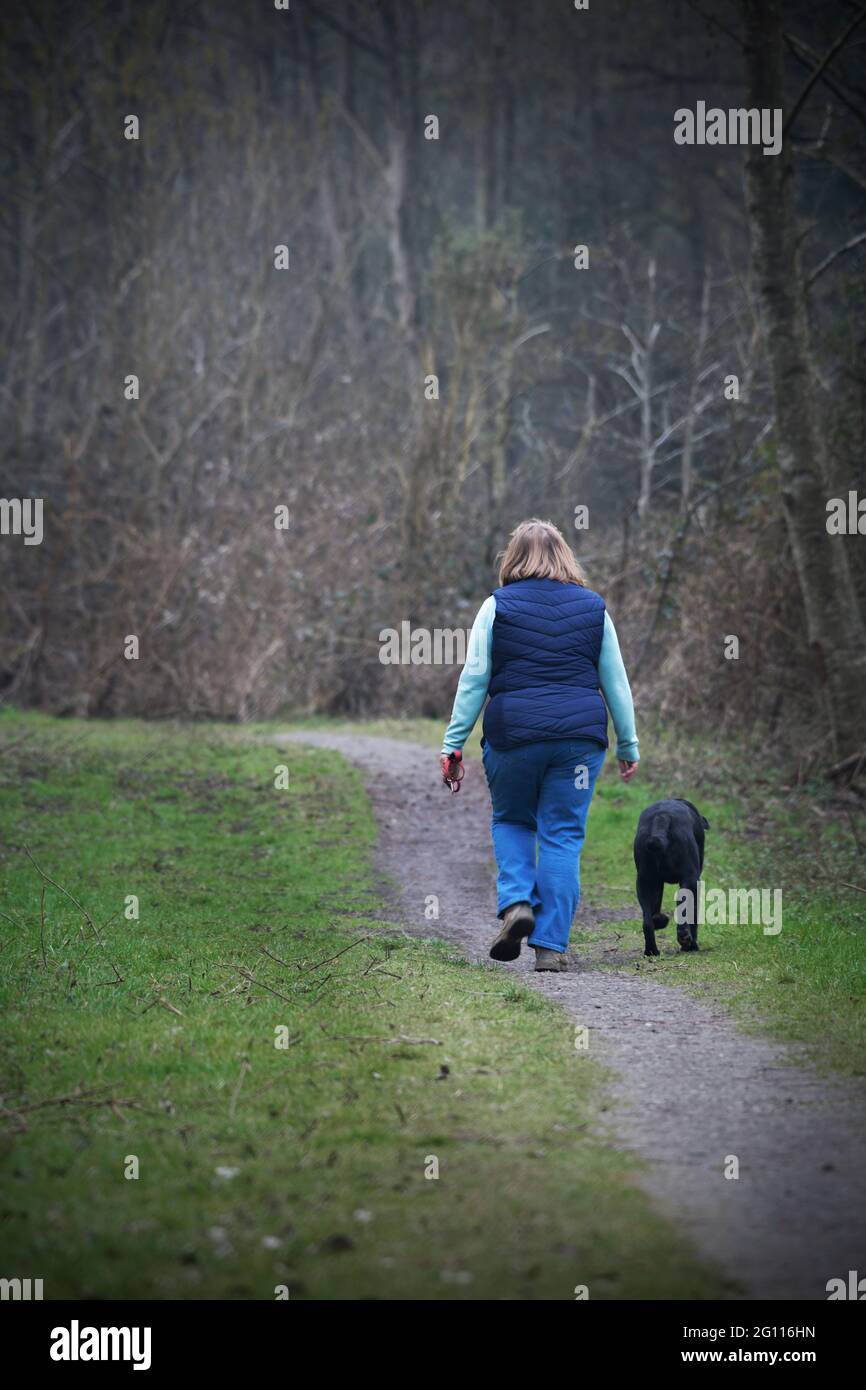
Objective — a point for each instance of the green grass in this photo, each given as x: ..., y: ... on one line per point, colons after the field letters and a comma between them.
x: 259, y: 1166
x: 807, y: 985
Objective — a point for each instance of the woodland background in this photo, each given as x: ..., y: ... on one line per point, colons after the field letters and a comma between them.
x: 600, y: 387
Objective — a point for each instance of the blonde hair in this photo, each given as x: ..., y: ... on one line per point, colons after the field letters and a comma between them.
x: 538, y: 550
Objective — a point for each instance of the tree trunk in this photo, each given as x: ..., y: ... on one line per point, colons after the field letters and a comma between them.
x: 834, y: 622
x: 328, y: 177
x: 643, y: 366
x: 687, y: 462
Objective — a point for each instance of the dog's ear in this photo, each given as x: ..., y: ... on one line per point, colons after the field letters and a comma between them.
x: 705, y: 823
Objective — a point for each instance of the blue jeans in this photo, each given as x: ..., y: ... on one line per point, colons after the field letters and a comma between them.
x: 541, y: 794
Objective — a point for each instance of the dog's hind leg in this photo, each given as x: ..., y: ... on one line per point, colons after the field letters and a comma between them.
x: 659, y: 919
x: 649, y: 895
x: 687, y: 915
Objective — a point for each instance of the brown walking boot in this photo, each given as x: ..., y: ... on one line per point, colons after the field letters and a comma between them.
x: 518, y: 922
x: 550, y: 960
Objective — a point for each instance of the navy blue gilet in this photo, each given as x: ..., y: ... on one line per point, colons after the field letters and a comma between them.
x: 544, y: 679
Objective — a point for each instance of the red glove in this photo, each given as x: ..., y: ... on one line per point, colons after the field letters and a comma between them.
x: 452, y: 769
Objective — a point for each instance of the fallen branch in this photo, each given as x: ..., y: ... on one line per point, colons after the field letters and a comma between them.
x: 245, y: 1067
x: 849, y: 767
x: 251, y: 979
x: 328, y: 959
x: 76, y: 1097
x: 367, y: 1037
x: 66, y: 893
x: 843, y: 883
x: 164, y: 1004
x: 278, y: 959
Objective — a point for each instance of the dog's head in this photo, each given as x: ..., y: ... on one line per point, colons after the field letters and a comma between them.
x: 702, y: 820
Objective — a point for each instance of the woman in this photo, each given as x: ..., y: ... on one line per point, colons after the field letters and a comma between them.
x: 545, y: 650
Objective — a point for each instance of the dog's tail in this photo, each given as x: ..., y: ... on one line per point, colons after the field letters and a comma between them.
x: 659, y: 827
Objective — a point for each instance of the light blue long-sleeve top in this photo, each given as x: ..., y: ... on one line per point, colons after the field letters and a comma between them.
x: 475, y: 678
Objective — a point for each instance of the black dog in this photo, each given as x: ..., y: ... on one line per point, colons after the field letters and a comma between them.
x: 669, y: 848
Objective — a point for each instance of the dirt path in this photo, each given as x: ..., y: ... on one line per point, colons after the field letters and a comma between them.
x: 688, y: 1089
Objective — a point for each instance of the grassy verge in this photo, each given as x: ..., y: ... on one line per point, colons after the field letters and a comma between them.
x: 806, y: 985
x: 148, y: 1045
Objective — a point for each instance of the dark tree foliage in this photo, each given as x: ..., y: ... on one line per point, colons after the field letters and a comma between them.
x: 559, y: 386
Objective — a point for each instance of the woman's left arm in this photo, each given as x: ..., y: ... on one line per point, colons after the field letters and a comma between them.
x: 617, y: 694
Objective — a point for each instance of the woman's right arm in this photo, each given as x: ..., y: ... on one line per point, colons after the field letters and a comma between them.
x: 474, y: 679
